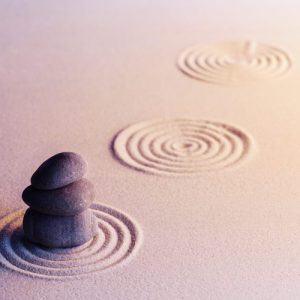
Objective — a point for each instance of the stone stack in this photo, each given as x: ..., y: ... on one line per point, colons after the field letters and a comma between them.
x: 59, y: 199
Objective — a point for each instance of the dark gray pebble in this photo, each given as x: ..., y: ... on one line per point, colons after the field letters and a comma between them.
x: 58, y: 232
x: 66, y: 201
x: 58, y: 171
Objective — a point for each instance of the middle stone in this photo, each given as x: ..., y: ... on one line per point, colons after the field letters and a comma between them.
x: 66, y: 201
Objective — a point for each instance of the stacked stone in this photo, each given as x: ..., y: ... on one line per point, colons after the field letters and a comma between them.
x: 59, y: 199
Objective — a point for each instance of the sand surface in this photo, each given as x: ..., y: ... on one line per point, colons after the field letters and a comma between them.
x: 74, y: 74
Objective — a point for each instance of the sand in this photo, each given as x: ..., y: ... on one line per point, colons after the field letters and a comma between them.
x: 74, y: 75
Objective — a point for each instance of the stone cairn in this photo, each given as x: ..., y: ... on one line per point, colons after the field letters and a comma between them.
x: 59, y: 199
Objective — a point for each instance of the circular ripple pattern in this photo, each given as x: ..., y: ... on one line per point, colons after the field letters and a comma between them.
x: 118, y: 238
x: 181, y: 146
x: 234, y: 62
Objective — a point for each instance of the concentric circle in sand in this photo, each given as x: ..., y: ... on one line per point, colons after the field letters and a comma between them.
x: 233, y: 63
x: 117, y: 240
x: 181, y: 146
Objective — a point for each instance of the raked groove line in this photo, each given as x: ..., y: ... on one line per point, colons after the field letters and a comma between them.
x: 234, y: 63
x: 117, y: 240
x: 181, y: 146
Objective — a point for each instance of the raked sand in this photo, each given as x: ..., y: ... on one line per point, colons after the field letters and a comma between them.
x: 188, y: 116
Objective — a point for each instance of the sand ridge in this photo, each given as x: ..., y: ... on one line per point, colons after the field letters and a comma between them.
x: 234, y: 62
x: 181, y: 146
x: 117, y: 240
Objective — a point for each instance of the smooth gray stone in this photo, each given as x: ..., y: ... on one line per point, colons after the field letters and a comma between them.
x: 66, y: 201
x: 57, y: 231
x: 58, y: 171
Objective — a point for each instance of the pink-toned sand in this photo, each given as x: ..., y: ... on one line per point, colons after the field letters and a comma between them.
x: 74, y: 73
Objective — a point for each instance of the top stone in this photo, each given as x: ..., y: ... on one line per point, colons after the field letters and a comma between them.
x: 58, y: 171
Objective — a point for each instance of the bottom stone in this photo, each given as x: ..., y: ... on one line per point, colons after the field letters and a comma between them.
x: 59, y: 231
